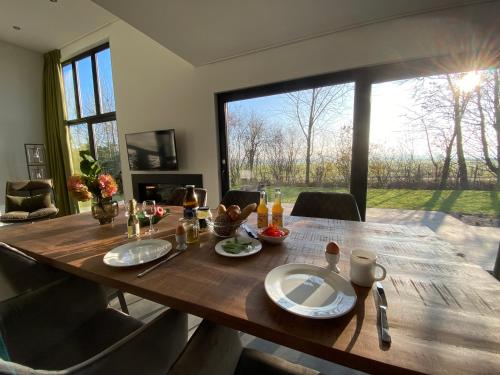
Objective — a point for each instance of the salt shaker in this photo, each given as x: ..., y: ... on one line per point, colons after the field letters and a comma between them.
x: 332, y: 255
x: 180, y: 237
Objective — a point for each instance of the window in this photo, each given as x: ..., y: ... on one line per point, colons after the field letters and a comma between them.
x: 90, y: 107
x: 412, y: 151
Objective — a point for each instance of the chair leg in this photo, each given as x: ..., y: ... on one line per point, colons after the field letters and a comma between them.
x: 123, y: 303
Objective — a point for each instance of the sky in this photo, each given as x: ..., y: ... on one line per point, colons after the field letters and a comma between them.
x: 390, y: 101
x: 86, y: 85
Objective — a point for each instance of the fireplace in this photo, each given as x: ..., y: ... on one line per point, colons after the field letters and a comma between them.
x: 160, y: 187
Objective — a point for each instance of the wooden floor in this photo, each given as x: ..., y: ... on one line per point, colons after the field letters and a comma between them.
x: 146, y: 310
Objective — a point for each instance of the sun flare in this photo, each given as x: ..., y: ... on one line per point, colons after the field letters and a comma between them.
x: 469, y: 81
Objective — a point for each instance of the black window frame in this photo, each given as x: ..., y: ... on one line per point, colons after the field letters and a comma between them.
x: 98, y: 117
x: 363, y: 79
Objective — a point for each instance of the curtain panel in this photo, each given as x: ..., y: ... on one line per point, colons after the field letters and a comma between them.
x: 56, y: 132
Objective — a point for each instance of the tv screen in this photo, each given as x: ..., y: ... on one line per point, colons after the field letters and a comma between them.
x: 152, y: 150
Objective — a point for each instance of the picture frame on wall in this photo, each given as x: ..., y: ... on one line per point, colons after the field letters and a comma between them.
x: 35, y: 154
x: 37, y: 172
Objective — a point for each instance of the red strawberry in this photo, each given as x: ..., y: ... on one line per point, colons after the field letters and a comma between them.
x: 160, y: 211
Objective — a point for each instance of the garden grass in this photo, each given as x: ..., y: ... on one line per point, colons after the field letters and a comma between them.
x: 468, y: 202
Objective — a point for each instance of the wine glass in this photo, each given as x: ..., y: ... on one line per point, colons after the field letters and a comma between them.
x: 149, y: 209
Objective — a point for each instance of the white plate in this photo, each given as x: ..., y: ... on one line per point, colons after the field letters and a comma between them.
x: 255, y: 247
x: 137, y: 252
x: 310, y: 291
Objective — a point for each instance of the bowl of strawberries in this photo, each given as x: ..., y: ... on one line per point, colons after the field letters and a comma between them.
x: 273, y: 234
x: 160, y: 213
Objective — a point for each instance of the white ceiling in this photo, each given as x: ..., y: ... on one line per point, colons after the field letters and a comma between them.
x: 46, y: 25
x: 205, y: 31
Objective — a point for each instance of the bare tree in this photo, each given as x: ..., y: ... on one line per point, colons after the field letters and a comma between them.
x: 487, y: 114
x: 308, y: 108
x: 438, y: 109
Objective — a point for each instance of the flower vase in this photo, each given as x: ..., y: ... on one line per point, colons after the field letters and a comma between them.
x: 105, y: 210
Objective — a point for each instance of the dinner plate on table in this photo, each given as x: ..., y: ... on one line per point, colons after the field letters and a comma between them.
x: 137, y: 252
x: 310, y: 291
x: 254, y: 247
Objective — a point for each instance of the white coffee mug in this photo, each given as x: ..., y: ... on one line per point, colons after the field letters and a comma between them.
x: 363, y: 266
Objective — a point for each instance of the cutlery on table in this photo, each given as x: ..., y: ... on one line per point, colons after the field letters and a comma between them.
x: 160, y: 263
x: 382, y: 305
x: 251, y: 233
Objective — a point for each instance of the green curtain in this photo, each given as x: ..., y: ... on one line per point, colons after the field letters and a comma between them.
x: 56, y: 132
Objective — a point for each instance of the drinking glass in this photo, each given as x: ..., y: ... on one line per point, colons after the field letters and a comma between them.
x: 149, y: 209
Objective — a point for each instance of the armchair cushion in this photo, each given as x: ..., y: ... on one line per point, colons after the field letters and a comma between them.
x: 43, y: 212
x: 29, y: 204
x: 15, y: 216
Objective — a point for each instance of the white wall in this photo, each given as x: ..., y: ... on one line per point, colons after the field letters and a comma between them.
x: 156, y: 89
x: 21, y: 109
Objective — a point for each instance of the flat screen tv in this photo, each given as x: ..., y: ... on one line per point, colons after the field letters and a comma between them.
x: 154, y: 150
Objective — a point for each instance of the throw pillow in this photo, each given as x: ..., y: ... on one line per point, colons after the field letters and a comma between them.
x: 27, y: 204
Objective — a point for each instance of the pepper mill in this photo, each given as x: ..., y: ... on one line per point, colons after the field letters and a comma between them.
x: 332, y: 255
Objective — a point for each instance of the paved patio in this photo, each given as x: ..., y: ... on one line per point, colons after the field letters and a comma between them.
x: 478, y: 244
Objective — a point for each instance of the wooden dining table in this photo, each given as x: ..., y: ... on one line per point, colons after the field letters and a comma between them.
x: 443, y: 312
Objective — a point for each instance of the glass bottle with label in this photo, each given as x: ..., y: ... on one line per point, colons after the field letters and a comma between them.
x: 133, y: 229
x: 262, y: 211
x: 190, y: 202
x: 191, y: 226
x: 277, y: 210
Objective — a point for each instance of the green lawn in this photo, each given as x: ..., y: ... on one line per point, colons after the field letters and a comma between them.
x: 469, y: 202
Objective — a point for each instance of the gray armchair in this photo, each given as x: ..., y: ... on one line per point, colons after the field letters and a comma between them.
x: 58, y: 324
x: 27, y: 200
x: 217, y: 350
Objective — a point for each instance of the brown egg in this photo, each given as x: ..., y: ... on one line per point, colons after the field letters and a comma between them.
x: 180, y: 230
x: 332, y: 248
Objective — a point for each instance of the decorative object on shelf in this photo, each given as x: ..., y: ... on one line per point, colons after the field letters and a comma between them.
x: 35, y: 160
x: 93, y: 184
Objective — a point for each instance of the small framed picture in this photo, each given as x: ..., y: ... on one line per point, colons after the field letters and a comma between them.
x: 37, y: 172
x: 35, y: 154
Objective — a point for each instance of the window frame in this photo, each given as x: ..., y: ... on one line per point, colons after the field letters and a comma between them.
x: 363, y: 79
x: 98, y: 117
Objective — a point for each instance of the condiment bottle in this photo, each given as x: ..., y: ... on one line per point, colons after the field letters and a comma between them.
x: 190, y: 202
x: 133, y: 229
x: 277, y: 210
x: 204, y: 218
x: 192, y: 227
x: 262, y: 212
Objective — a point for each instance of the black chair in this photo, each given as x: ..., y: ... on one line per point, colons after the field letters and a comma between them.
x: 240, y: 198
x: 53, y: 321
x: 496, y: 268
x: 176, y: 198
x: 27, y: 200
x: 218, y: 350
x: 340, y: 206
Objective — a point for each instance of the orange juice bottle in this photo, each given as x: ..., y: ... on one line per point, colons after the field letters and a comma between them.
x: 277, y: 210
x: 262, y: 212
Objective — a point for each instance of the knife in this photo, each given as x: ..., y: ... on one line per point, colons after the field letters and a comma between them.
x: 382, y: 305
x: 159, y: 263
x: 249, y: 231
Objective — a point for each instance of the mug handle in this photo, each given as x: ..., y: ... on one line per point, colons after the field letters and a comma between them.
x: 384, y: 272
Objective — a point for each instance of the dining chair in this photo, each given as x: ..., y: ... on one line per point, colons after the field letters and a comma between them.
x: 67, y: 328
x: 215, y: 349
x: 496, y: 268
x: 176, y: 198
x: 20, y: 274
x: 29, y: 200
x: 240, y: 198
x: 340, y: 206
